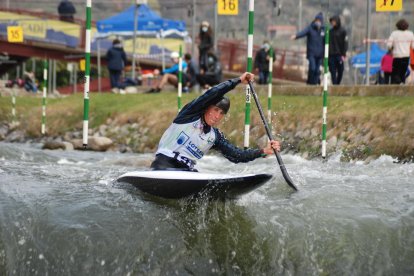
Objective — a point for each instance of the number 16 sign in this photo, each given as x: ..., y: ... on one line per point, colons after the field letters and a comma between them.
x: 228, y: 7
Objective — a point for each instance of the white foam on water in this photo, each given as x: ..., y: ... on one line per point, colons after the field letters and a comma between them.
x: 384, y: 159
x: 335, y: 157
x: 65, y: 161
x: 252, y: 198
x: 359, y: 162
x: 289, y: 158
x: 105, y: 181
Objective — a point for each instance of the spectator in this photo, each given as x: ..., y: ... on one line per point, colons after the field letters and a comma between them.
x: 400, y: 42
x: 29, y: 82
x: 314, y: 33
x: 212, y: 75
x: 191, y: 73
x: 66, y: 11
x: 17, y: 82
x: 169, y: 75
x: 117, y: 60
x: 338, y: 45
x: 206, y: 44
x: 386, y: 66
x: 130, y: 82
x: 261, y: 62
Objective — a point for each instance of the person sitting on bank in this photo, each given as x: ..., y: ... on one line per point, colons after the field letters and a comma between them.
x: 169, y: 75
x: 190, y: 73
x: 212, y: 74
x: 193, y: 132
x: 30, y: 82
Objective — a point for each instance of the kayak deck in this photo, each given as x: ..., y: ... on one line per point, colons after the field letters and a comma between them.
x: 180, y: 184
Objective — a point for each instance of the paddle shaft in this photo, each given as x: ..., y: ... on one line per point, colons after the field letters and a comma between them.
x: 269, y: 134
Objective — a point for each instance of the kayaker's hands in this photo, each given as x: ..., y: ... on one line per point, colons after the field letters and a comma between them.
x: 246, y: 77
x: 272, y: 145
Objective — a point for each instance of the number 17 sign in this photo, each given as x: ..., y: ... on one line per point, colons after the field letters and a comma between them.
x: 388, y: 5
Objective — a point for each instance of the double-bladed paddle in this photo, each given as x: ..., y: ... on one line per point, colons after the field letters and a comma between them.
x: 269, y: 134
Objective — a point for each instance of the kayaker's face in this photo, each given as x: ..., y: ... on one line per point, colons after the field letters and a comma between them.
x: 213, y: 115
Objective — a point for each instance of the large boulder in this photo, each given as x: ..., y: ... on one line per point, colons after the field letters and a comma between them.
x: 99, y: 143
x: 4, y: 129
x: 68, y: 145
x: 94, y: 143
x: 16, y: 136
x: 54, y: 145
x: 77, y: 144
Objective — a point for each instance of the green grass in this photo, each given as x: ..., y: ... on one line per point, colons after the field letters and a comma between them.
x: 69, y: 110
x: 388, y: 117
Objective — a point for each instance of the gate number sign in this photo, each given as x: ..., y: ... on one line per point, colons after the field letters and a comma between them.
x: 227, y: 7
x: 388, y: 5
x: 14, y: 34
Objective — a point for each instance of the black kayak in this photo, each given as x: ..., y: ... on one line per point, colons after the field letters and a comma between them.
x: 180, y: 184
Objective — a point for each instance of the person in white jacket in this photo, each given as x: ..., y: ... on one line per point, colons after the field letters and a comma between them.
x: 400, y: 42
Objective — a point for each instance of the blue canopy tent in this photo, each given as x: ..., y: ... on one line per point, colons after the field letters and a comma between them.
x: 149, y: 24
x: 376, y: 53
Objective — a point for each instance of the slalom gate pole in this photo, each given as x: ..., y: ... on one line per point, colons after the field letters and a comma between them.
x: 45, y: 65
x: 180, y: 78
x: 249, y: 69
x: 87, y: 72
x: 269, y: 91
x: 325, y: 91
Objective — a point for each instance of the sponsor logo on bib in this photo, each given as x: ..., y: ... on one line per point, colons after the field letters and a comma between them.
x: 182, y: 138
x: 194, y: 150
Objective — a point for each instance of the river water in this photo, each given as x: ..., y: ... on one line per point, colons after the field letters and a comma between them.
x: 62, y: 214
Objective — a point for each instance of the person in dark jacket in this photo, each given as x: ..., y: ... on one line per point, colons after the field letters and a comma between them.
x: 338, y: 45
x: 117, y: 60
x: 206, y: 44
x: 193, y: 132
x: 314, y: 34
x: 66, y: 11
x: 212, y: 75
x: 261, y: 62
x: 191, y: 73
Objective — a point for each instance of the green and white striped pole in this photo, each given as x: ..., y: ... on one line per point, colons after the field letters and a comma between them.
x: 269, y: 91
x: 249, y: 69
x: 325, y: 91
x: 43, y: 130
x: 180, y: 78
x: 87, y: 72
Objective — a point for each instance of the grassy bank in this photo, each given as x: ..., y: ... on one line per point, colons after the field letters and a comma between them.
x: 360, y: 127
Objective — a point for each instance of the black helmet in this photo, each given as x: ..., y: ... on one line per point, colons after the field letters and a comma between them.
x: 224, y: 104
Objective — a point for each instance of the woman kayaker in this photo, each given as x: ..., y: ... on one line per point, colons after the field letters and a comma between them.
x: 193, y: 132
